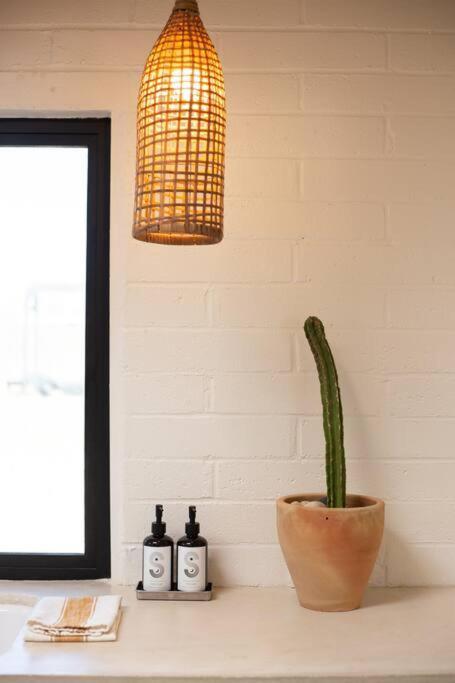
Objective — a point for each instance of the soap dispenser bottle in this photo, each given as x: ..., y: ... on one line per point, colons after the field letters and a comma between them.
x: 192, y: 557
x: 157, y: 559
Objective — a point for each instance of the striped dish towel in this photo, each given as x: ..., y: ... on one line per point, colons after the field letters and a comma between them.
x: 73, y: 620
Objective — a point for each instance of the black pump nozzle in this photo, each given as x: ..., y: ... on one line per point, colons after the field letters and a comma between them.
x: 159, y: 527
x: 192, y: 527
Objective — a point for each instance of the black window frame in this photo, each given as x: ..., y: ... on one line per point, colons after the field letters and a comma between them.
x: 94, y: 134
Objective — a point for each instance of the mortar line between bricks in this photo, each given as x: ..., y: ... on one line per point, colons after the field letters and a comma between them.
x: 307, y: 284
x: 270, y: 241
x: 274, y: 414
x: 295, y: 350
x: 206, y: 416
x: 210, y: 395
x: 225, y: 28
x: 221, y: 282
x: 227, y: 327
x: 220, y: 327
x: 209, y: 306
x: 335, y: 113
x: 188, y: 327
x: 198, y: 413
x: 173, y: 285
x: 432, y: 286
x: 248, y: 544
x: 304, y: 114
x: 396, y: 417
x: 211, y: 459
x: 273, y: 328
x: 51, y: 47
x: 441, y: 544
x: 386, y: 158
x: 215, y: 502
x: 270, y: 71
x: 289, y: 460
x: 449, y: 159
x: 137, y: 69
x: 414, y: 72
x: 311, y: 240
x: 270, y: 502
x: 153, y: 459
x: 421, y: 330
x: 237, y: 372
x: 387, y: 225
x: 300, y: 459
x: 290, y: 240
x: 276, y: 283
x: 215, y: 478
x: 295, y: 246
x: 279, y: 373
x: 388, y: 52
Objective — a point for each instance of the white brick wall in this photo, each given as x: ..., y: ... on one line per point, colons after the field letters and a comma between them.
x: 340, y: 203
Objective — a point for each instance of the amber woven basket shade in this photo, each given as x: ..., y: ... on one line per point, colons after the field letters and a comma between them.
x: 181, y: 123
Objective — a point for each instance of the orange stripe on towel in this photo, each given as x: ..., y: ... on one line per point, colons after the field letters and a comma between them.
x: 76, y: 612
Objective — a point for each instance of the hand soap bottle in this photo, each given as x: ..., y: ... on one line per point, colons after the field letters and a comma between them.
x: 157, y: 559
x: 192, y: 557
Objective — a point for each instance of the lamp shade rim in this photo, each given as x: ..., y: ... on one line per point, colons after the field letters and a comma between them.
x: 200, y: 235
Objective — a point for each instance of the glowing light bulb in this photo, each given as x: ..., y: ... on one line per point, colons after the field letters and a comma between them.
x: 185, y: 84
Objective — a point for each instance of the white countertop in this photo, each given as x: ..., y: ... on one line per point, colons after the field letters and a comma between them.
x: 250, y: 633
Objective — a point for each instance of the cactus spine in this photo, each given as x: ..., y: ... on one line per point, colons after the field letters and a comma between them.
x: 332, y: 413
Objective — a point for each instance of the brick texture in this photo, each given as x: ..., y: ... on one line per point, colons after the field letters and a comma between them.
x: 339, y: 203
x: 388, y: 14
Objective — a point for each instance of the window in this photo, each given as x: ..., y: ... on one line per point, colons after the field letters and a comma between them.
x: 54, y: 348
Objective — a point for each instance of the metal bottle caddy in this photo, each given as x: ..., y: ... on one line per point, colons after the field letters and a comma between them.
x: 174, y: 594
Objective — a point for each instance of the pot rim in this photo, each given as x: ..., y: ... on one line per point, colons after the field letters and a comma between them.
x: 371, y: 502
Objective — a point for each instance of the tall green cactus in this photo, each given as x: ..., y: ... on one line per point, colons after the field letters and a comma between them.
x: 332, y: 413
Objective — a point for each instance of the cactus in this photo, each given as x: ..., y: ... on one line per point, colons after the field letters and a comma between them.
x: 332, y: 413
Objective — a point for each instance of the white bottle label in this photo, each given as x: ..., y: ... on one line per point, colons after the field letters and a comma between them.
x: 191, y: 569
x: 157, y: 574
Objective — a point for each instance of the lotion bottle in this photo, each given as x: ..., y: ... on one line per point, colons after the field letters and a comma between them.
x: 157, y: 559
x: 192, y: 557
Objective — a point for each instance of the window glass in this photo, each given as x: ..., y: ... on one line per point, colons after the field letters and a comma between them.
x: 43, y: 222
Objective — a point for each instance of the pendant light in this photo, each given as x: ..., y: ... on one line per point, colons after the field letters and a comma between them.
x: 181, y: 122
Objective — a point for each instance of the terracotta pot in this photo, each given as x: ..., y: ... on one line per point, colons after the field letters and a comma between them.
x: 330, y: 552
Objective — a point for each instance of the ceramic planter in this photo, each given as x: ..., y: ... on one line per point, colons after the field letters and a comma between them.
x: 330, y: 552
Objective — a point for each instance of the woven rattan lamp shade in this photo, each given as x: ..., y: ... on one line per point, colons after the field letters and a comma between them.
x: 181, y: 123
